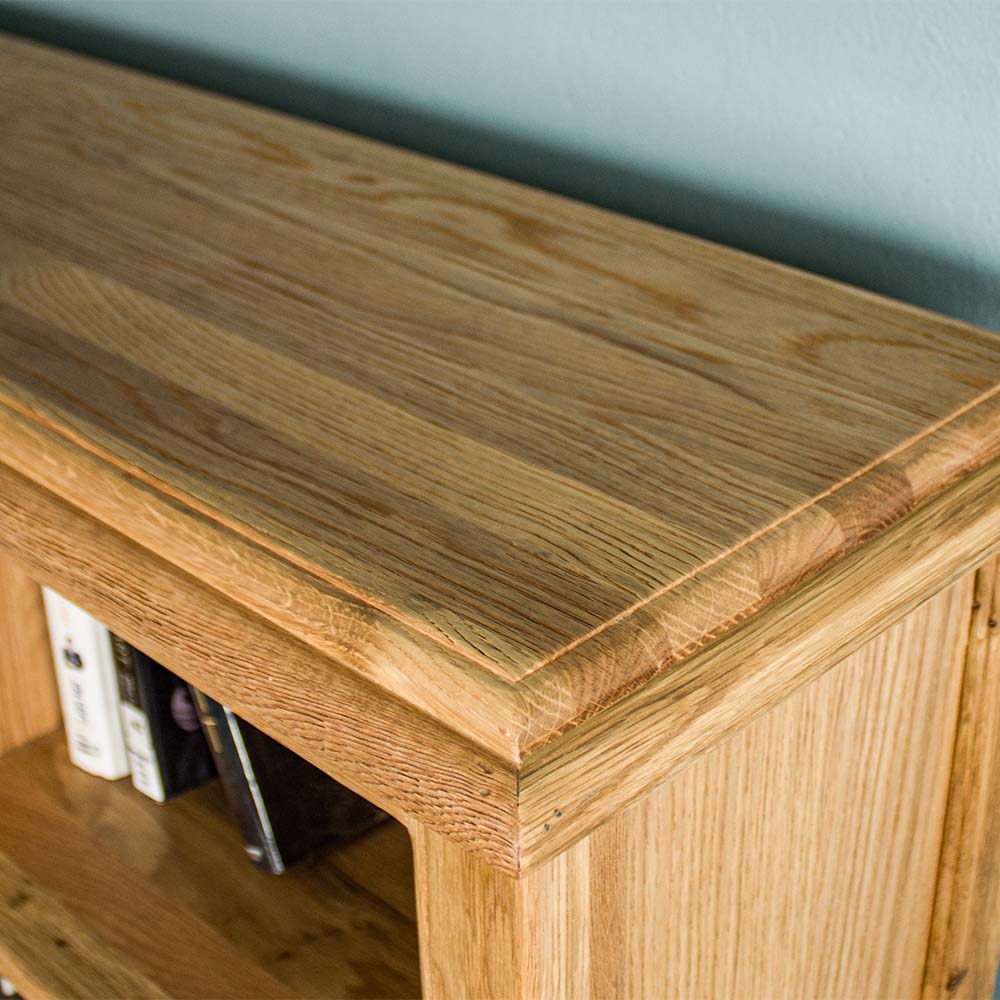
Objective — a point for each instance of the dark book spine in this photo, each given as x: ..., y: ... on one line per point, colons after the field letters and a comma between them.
x: 138, y: 742
x: 232, y: 760
x: 167, y: 749
x: 285, y: 806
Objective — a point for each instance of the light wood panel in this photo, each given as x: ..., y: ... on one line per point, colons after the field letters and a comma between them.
x: 163, y: 896
x: 29, y: 703
x: 511, y: 424
x: 796, y: 860
x: 965, y: 937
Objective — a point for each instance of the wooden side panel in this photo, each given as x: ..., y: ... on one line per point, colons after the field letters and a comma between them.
x: 965, y: 935
x: 800, y: 859
x: 29, y: 705
x: 797, y: 859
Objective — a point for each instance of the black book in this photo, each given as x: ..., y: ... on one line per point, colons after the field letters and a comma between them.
x: 167, y: 749
x: 285, y: 806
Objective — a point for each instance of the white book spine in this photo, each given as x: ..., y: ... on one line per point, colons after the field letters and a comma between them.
x: 88, y: 688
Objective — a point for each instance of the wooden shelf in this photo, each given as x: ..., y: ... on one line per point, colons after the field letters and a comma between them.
x: 161, y: 900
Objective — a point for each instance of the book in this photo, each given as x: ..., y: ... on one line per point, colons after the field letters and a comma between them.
x: 285, y: 806
x: 167, y: 749
x: 88, y: 688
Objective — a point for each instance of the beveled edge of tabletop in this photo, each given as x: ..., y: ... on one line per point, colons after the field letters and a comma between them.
x: 513, y: 718
x: 407, y: 723
x: 676, y: 623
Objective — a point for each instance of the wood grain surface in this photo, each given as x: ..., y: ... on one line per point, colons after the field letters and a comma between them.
x: 29, y: 703
x: 795, y: 860
x: 965, y: 935
x: 505, y: 419
x: 163, y: 896
x: 476, y: 464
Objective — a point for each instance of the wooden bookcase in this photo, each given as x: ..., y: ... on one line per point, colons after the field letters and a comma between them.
x: 652, y: 588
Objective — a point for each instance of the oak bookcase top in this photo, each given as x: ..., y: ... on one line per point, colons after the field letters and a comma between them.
x: 506, y: 455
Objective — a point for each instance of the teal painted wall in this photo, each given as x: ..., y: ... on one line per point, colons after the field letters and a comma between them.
x: 860, y: 140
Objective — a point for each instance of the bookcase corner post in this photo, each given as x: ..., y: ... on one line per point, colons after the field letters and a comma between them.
x: 487, y: 934
x: 964, y: 942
